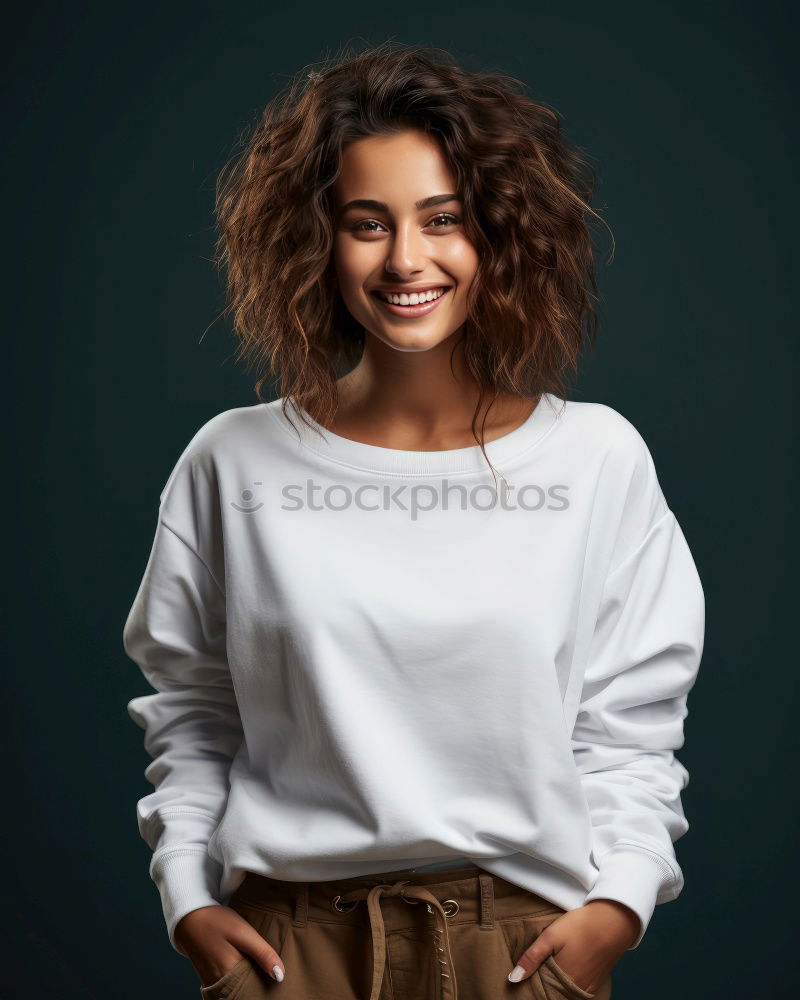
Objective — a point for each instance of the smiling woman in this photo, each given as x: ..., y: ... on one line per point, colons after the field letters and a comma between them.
x: 395, y: 172
x: 412, y: 735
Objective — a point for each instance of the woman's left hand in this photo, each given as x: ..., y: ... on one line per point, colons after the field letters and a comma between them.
x: 586, y: 942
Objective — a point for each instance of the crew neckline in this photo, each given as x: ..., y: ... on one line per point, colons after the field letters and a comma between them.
x: 395, y: 461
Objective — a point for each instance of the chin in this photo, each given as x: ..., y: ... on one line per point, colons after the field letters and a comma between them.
x: 413, y: 340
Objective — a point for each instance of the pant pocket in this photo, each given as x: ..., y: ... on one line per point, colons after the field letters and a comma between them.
x: 229, y: 984
x: 232, y: 982
x: 549, y: 981
x: 560, y: 980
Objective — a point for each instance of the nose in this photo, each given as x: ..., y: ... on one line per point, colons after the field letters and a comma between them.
x: 407, y: 252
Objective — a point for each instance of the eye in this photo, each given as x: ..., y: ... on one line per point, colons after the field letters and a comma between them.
x: 367, y: 222
x: 446, y: 216
x: 439, y: 221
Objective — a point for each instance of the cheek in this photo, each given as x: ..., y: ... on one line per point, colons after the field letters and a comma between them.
x: 462, y: 260
x: 354, y: 261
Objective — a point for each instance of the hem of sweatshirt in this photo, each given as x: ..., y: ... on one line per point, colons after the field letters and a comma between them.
x: 185, y: 879
x: 399, y: 462
x: 640, y: 879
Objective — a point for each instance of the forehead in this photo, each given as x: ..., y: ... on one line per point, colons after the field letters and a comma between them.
x: 396, y: 169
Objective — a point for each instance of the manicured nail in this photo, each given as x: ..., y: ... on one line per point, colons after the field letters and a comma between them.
x: 516, y: 974
x: 277, y: 973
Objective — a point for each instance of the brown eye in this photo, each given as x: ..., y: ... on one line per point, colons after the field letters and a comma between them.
x: 446, y: 216
x: 440, y: 221
x: 367, y: 222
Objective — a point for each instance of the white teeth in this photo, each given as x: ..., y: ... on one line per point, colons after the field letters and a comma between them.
x: 414, y: 299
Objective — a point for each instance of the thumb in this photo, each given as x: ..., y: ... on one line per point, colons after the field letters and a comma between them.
x: 530, y: 960
x: 263, y: 954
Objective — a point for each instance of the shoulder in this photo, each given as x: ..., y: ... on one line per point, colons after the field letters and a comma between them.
x: 604, y: 426
x: 234, y: 430
x: 613, y: 445
x: 597, y: 431
x: 227, y: 428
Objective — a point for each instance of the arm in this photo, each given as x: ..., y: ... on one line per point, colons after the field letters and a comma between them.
x: 642, y: 662
x: 176, y: 633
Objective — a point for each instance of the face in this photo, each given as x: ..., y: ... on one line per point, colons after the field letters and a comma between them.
x: 398, y: 227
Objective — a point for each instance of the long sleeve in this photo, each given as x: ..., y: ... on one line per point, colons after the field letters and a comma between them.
x: 176, y: 633
x: 642, y: 663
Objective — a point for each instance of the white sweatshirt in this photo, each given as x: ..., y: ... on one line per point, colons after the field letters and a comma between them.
x: 362, y: 664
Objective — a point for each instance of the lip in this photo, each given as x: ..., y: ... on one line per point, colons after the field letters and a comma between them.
x: 411, y: 311
x: 409, y: 289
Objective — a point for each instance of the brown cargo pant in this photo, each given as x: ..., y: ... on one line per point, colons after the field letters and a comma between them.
x: 437, y: 935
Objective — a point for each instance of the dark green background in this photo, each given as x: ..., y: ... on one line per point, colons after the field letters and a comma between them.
x: 117, y: 121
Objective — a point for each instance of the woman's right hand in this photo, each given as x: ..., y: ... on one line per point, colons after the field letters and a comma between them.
x: 214, y: 938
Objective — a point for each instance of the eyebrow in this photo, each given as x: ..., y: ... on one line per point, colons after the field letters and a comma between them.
x: 379, y: 206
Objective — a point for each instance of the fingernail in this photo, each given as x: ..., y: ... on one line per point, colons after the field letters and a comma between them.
x: 516, y: 974
x: 277, y: 973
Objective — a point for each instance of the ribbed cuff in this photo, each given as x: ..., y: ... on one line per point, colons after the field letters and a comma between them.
x: 186, y: 879
x: 638, y: 878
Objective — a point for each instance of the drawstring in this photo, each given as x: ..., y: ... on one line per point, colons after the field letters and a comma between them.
x: 412, y: 894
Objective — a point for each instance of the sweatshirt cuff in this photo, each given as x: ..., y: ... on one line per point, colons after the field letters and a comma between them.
x: 638, y: 878
x: 186, y: 879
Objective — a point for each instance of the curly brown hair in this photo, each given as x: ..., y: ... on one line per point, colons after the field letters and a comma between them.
x: 525, y: 196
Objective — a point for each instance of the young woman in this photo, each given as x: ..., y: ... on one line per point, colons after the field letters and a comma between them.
x: 421, y: 630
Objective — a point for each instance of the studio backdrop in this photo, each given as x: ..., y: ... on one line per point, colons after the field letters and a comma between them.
x: 118, y: 119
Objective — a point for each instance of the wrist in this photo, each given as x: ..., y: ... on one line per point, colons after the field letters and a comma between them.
x: 629, y: 918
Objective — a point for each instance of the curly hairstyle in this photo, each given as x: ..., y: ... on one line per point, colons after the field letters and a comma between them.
x: 525, y: 196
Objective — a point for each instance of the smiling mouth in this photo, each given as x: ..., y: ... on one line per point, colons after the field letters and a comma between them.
x: 409, y: 309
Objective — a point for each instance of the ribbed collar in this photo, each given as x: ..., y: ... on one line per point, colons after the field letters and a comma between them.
x: 394, y: 461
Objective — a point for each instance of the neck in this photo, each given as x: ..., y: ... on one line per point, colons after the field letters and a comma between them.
x: 427, y: 393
